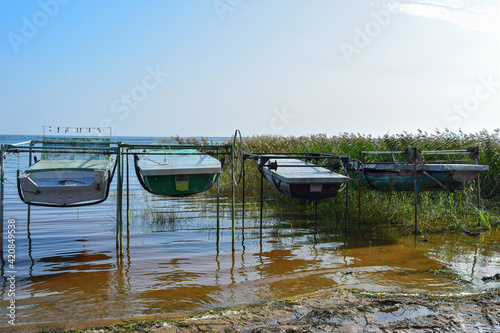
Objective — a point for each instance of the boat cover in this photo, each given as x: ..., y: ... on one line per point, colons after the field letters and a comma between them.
x: 301, y: 172
x: 177, y: 164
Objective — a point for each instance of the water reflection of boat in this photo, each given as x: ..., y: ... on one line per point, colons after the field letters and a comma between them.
x: 300, y: 179
x: 68, y: 179
x: 179, y: 172
x: 430, y: 177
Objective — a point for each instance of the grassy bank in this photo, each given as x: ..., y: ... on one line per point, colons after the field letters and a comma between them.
x: 438, y: 211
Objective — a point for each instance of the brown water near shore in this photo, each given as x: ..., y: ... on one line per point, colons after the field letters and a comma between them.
x: 69, y: 275
x: 91, y: 288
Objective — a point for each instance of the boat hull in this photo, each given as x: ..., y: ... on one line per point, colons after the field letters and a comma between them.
x: 179, y: 186
x: 64, y: 187
x: 62, y: 178
x: 306, y: 191
x: 177, y: 175
x: 389, y: 180
x: 303, y: 180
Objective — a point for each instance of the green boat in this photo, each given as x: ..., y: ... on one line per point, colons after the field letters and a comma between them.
x: 430, y: 177
x: 176, y: 172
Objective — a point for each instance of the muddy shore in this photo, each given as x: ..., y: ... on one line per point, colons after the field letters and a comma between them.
x: 355, y: 311
x: 339, y: 310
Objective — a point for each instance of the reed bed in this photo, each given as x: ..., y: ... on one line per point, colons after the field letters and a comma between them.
x: 438, y: 211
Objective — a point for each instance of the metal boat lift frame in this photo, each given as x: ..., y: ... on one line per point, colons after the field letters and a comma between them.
x: 414, y: 159
x: 262, y: 163
x: 30, y: 148
x: 215, y: 150
x: 120, y: 150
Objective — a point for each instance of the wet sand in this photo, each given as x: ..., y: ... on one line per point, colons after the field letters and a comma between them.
x: 345, y: 310
x: 334, y: 310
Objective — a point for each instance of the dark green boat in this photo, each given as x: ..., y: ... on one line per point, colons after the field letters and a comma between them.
x: 430, y: 177
x: 177, y: 172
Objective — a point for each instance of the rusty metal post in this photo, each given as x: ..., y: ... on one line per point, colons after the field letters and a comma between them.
x: 2, y: 174
x: 346, y: 168
x: 30, y: 157
x: 359, y: 187
x: 217, y: 184
x: 243, y: 203
x: 478, y: 184
x: 415, y: 184
x: 119, y: 202
x: 261, y: 199
x: 346, y: 207
x: 233, y: 180
x: 128, y: 199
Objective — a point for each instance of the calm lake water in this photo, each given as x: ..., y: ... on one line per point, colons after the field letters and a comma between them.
x: 68, y: 273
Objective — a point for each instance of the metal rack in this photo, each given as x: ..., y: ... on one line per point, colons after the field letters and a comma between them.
x: 263, y: 161
x: 416, y: 162
x: 217, y: 151
x: 121, y: 151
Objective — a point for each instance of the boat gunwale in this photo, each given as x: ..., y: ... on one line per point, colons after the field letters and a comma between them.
x: 437, y: 167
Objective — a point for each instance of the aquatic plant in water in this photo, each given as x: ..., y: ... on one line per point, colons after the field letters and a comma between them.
x: 438, y: 211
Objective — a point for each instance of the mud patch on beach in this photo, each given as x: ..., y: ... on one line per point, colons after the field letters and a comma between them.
x: 354, y: 311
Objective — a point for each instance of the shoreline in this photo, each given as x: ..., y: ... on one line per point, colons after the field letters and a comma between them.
x: 336, y: 310
x: 348, y: 310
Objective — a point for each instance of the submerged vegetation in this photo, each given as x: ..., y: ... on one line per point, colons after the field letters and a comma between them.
x: 437, y: 211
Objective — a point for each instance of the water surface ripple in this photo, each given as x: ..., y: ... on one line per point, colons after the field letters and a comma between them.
x: 69, y: 274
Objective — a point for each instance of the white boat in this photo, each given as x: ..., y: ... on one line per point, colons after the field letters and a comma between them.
x: 303, y: 180
x: 68, y: 179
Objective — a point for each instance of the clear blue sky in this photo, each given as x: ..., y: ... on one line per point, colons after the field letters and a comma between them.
x: 286, y: 67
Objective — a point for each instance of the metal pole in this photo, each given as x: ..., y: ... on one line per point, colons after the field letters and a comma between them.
x: 121, y: 203
x: 261, y: 200
x: 243, y: 204
x: 218, y: 208
x: 29, y: 206
x: 415, y: 193
x: 478, y: 185
x: 128, y: 200
x: 359, y: 187
x: 233, y: 227
x: 346, y: 203
x: 218, y: 214
x: 315, y: 205
x: 119, y: 206
x: 2, y: 173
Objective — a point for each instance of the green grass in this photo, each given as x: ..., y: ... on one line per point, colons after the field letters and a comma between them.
x: 437, y: 211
